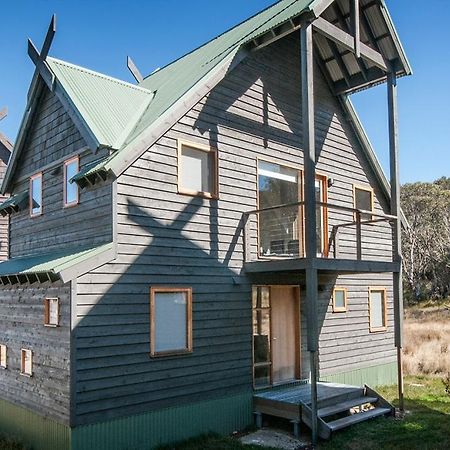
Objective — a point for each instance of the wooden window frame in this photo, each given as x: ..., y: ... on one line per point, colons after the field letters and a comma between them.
x: 323, y: 179
x: 66, y: 163
x: 33, y: 177
x: 47, y: 312
x: 215, y: 170
x: 372, y: 198
x: 189, y: 347
x: 3, y: 355
x: 344, y: 308
x: 22, y: 362
x: 384, y: 314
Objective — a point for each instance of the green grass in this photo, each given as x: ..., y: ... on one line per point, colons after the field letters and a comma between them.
x: 7, y: 444
x: 426, y: 425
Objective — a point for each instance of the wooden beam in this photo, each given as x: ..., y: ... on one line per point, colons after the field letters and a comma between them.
x: 3, y: 113
x: 347, y: 41
x: 134, y: 70
x: 395, y: 208
x: 41, y: 65
x: 48, y: 38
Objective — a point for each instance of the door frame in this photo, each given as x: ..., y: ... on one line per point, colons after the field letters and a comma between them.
x: 297, y: 328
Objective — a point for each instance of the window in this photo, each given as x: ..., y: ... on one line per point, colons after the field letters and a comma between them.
x: 3, y: 360
x: 279, y: 229
x: 321, y: 216
x: 51, y: 312
x: 339, y: 299
x: 171, y: 321
x: 197, y: 170
x: 363, y: 200
x: 36, y: 195
x: 71, y: 168
x: 26, y: 362
x: 377, y: 309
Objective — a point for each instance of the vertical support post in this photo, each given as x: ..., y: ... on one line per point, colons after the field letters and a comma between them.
x: 309, y: 151
x: 355, y: 22
x: 395, y: 210
x: 358, y: 237
x: 247, y: 244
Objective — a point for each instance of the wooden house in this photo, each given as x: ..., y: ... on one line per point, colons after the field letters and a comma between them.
x: 215, y: 241
x: 5, y: 152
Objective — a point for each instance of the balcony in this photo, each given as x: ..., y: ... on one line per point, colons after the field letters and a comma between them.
x: 349, y: 240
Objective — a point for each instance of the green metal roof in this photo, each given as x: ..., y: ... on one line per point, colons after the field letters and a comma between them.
x: 110, y: 107
x: 13, y: 203
x: 47, y: 266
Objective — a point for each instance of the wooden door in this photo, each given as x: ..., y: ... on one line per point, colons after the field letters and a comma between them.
x: 285, y: 333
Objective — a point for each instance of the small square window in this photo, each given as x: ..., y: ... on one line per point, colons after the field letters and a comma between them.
x: 3, y: 356
x: 36, y: 195
x: 363, y: 200
x: 339, y: 299
x: 26, y: 362
x: 51, y: 312
x: 377, y: 309
x: 197, y: 170
x: 171, y: 321
x: 71, y: 168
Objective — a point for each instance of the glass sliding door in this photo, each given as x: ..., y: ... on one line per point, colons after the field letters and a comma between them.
x: 279, y: 229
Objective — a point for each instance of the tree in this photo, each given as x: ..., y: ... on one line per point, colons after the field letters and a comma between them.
x: 426, y: 241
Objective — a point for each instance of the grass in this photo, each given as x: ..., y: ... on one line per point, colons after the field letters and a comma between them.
x: 7, y: 444
x: 426, y: 425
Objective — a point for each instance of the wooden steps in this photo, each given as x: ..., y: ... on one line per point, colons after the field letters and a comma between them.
x: 357, y: 418
x: 345, y: 406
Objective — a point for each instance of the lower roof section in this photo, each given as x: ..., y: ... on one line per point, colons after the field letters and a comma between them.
x: 62, y: 265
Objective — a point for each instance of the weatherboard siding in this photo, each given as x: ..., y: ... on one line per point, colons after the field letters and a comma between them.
x: 53, y: 138
x: 4, y: 221
x: 22, y: 326
x: 169, y: 239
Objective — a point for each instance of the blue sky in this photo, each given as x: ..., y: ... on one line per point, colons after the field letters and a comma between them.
x: 98, y: 34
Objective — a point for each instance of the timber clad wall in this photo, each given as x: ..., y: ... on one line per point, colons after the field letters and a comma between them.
x: 52, y: 139
x: 22, y: 326
x: 168, y: 239
x: 4, y: 221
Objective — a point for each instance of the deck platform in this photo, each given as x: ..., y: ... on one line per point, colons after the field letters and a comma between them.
x: 333, y: 399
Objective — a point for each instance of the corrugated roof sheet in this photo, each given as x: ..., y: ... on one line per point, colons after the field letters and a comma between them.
x: 110, y: 107
x: 53, y: 263
x: 13, y: 202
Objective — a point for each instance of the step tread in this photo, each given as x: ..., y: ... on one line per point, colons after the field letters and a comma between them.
x: 344, y: 406
x: 356, y: 418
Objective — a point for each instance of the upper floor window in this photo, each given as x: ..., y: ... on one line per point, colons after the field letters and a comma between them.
x: 3, y: 360
x: 197, y: 170
x: 51, y: 312
x: 377, y: 309
x: 71, y: 168
x: 171, y: 321
x: 36, y: 195
x: 339, y: 299
x: 363, y: 200
x: 26, y: 362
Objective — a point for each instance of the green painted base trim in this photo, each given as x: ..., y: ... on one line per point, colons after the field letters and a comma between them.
x: 380, y: 375
x: 165, y: 426
x: 31, y: 429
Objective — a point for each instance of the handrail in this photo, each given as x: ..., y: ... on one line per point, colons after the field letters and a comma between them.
x: 326, y: 205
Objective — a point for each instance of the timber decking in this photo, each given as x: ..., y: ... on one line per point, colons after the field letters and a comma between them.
x: 335, y: 401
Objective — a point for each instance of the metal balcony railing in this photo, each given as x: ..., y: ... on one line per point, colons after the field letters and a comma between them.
x: 343, y: 232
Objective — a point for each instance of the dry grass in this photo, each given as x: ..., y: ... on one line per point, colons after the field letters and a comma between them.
x: 427, y: 341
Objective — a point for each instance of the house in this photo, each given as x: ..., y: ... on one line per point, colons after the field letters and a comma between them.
x: 184, y: 248
x: 5, y: 152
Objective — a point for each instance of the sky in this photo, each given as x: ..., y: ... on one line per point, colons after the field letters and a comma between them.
x: 99, y: 34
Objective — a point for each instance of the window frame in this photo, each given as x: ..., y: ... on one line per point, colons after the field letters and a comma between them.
x: 41, y: 210
x: 189, y: 341
x: 23, y: 352
x: 323, y: 180
x: 384, y: 312
x: 215, y: 170
x: 340, y: 309
x: 3, y: 356
x: 47, y: 302
x: 372, y: 199
x: 65, y: 164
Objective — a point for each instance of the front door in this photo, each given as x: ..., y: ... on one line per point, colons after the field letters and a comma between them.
x: 276, y: 341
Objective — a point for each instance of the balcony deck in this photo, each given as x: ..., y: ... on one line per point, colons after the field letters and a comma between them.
x: 325, y: 265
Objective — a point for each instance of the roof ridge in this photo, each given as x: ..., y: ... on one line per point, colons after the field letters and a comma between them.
x: 100, y: 75
x: 217, y: 37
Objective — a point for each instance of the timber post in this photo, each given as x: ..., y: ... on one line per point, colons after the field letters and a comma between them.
x: 309, y: 151
x: 395, y: 211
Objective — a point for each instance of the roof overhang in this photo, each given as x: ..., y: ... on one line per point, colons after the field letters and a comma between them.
x: 14, y: 203
x: 64, y: 265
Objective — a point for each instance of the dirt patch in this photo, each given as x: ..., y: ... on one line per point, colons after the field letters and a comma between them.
x: 267, y: 437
